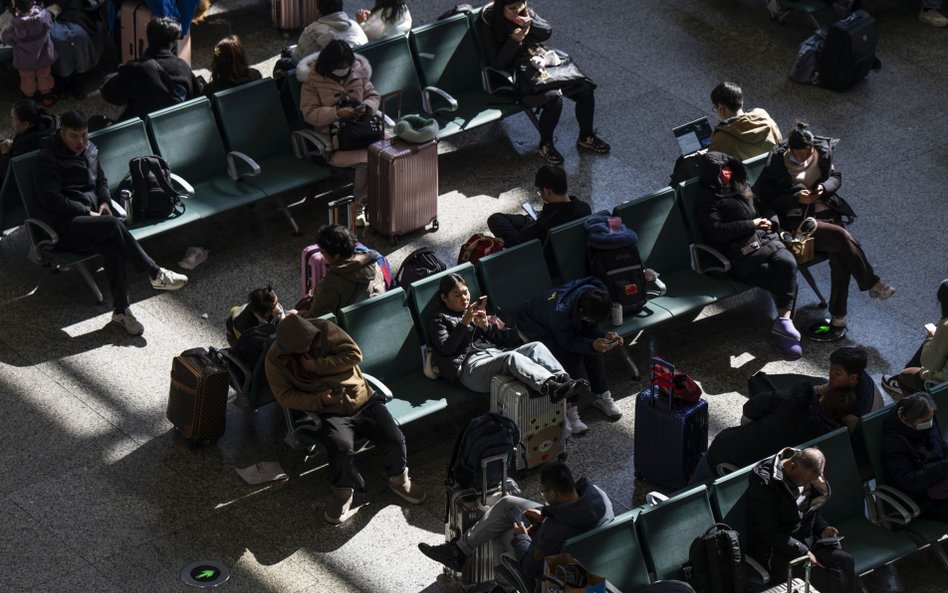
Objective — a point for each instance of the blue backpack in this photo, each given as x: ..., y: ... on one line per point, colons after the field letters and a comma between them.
x: 613, y: 257
x: 485, y: 436
x: 383, y: 264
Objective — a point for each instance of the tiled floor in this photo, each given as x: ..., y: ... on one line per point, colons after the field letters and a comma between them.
x: 98, y: 494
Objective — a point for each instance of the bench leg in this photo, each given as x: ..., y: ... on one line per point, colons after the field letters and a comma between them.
x: 84, y: 272
x: 289, y: 216
x: 805, y: 271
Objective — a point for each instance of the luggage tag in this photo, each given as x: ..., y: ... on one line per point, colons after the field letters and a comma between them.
x: 660, y: 376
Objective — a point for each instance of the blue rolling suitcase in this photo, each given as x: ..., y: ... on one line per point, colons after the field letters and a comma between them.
x: 670, y: 434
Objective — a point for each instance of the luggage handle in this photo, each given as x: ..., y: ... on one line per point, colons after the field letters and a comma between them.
x: 655, y: 384
x: 502, y: 458
x: 807, y: 565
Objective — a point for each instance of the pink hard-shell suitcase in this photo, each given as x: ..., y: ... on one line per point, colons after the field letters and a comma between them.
x: 403, y: 186
x: 312, y: 268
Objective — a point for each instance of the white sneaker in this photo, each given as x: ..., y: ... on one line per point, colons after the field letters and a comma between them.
x: 881, y: 291
x: 361, y: 220
x: 605, y: 404
x: 933, y: 18
x: 168, y: 280
x: 575, y: 425
x: 128, y: 322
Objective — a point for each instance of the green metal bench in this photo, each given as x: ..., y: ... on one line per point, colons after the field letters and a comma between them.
x: 513, y: 276
x: 614, y: 552
x: 667, y: 529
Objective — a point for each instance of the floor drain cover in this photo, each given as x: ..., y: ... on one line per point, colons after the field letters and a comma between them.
x: 205, y: 573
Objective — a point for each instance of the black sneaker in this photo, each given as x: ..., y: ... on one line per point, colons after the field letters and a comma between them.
x: 569, y: 390
x: 449, y: 555
x: 593, y: 144
x: 891, y: 384
x: 549, y: 152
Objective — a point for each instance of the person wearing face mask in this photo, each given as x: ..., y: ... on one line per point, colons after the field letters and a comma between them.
x: 800, y: 181
x: 915, y: 455
x: 785, y: 495
x: 337, y: 85
x: 32, y: 126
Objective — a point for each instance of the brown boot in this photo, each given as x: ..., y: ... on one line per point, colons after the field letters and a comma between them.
x: 403, y: 486
x: 337, y: 507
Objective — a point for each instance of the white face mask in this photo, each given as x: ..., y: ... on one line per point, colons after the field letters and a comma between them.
x: 342, y: 72
x: 924, y: 425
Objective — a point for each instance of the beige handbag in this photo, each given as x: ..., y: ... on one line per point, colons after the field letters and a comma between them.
x: 800, y: 243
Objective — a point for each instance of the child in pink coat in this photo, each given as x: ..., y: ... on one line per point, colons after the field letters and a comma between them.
x: 33, y: 53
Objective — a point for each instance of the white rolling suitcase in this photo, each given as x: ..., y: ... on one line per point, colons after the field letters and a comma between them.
x: 542, y: 423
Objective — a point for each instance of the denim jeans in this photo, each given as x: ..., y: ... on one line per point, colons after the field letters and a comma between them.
x: 532, y: 364
x: 496, y: 524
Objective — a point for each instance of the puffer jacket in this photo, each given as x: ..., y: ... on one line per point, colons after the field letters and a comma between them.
x: 913, y: 459
x: 337, y: 359
x: 29, y: 36
x: 779, y: 531
x: 346, y: 283
x: 320, y: 32
x: 452, y: 342
x: 141, y: 87
x: 746, y: 135
x: 777, y: 191
x: 552, y: 316
x: 506, y: 54
x: 320, y: 94
x: 68, y: 185
x: 726, y: 216
x: 34, y: 137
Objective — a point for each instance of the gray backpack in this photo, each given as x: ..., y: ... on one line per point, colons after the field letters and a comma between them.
x: 805, y: 68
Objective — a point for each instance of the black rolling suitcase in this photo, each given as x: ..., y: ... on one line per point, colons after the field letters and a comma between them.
x: 197, y: 400
x: 849, y: 52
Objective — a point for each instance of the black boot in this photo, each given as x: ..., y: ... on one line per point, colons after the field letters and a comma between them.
x: 449, y: 555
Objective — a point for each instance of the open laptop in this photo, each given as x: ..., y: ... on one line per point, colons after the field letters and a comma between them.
x: 693, y: 136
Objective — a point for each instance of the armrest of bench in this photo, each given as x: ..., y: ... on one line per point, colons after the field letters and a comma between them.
x: 700, y: 251
x: 452, y: 103
x: 183, y: 184
x: 495, y: 80
x: 905, y: 509
x: 38, y: 244
x: 377, y: 385
x: 232, y: 158
x: 239, y: 375
x: 310, y: 143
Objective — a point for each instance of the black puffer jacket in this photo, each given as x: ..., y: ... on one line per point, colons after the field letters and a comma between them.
x: 778, y: 192
x: 913, y: 459
x: 140, y: 86
x: 67, y: 184
x: 34, y: 137
x: 726, y: 214
x: 451, y: 342
x: 505, y: 53
x: 779, y: 531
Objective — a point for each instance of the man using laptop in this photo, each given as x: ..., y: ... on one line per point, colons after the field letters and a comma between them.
x: 740, y: 134
x: 558, y: 208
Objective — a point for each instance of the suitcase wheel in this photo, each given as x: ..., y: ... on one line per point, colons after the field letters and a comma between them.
x: 434, y: 225
x: 563, y: 456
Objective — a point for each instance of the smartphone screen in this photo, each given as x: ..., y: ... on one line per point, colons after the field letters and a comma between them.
x: 482, y: 302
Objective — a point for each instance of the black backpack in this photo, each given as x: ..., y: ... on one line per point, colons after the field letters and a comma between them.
x: 153, y: 196
x: 614, y: 258
x: 485, y: 436
x: 715, y: 562
x: 849, y: 52
x: 419, y: 264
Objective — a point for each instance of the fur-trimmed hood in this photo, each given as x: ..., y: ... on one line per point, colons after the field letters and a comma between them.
x: 306, y: 65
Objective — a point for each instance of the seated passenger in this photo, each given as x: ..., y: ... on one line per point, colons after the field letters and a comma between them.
x: 775, y: 421
x: 73, y: 198
x: 740, y: 134
x: 332, y: 23
x: 915, y: 455
x: 229, y: 66
x: 735, y: 223
x: 930, y: 363
x: 251, y: 326
x: 313, y: 366
x: 800, y: 181
x: 511, y: 34
x: 350, y: 277
x: 337, y: 85
x: 528, y: 530
x: 387, y: 18
x: 469, y: 345
x: 559, y: 208
x: 156, y: 80
x: 566, y: 319
x: 32, y: 125
x: 785, y: 496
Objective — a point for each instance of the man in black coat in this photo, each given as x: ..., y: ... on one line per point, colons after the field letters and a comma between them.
x: 157, y: 80
x: 785, y: 495
x: 73, y: 198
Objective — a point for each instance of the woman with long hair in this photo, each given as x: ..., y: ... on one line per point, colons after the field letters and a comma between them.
x: 387, y: 18
x: 229, y: 66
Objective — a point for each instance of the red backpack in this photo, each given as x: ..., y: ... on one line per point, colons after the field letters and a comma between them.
x: 478, y: 246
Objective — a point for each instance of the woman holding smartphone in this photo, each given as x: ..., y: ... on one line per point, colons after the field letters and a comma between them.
x: 469, y: 345
x: 336, y: 86
x: 511, y: 33
x: 930, y: 363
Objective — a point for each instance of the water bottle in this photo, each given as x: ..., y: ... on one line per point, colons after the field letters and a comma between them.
x: 126, y: 197
x: 616, y: 314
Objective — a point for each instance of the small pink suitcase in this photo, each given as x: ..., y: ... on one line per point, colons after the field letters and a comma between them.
x: 312, y: 268
x: 403, y: 186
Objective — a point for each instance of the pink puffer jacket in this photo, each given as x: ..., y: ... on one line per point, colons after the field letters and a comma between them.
x: 320, y: 94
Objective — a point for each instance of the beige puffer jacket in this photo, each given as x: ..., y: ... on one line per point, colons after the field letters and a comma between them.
x: 320, y: 94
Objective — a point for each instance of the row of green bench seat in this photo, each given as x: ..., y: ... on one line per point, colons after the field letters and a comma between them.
x: 234, y: 151
x: 437, y: 70
x: 652, y: 542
